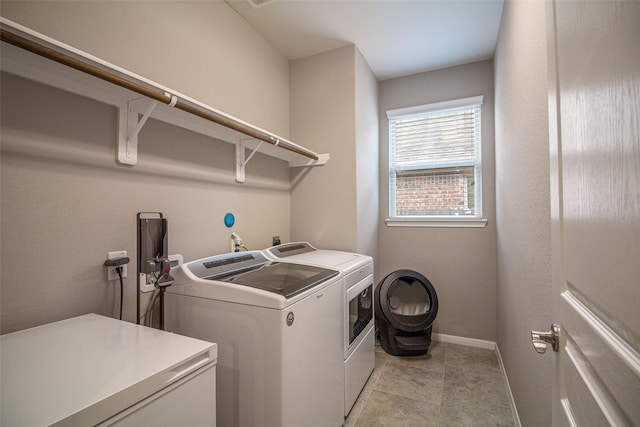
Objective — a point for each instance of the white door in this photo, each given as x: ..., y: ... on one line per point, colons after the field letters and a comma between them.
x: 594, y: 81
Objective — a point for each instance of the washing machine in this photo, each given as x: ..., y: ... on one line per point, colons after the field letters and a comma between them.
x: 278, y: 329
x: 358, y: 293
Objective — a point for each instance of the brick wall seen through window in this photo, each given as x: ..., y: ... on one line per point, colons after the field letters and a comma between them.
x: 435, y: 192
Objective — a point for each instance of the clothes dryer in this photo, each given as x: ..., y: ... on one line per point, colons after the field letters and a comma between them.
x: 277, y: 326
x: 358, y: 293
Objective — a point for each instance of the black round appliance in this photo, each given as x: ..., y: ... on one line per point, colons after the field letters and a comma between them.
x: 406, y: 306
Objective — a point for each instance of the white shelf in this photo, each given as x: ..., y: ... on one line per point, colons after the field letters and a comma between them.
x: 131, y: 104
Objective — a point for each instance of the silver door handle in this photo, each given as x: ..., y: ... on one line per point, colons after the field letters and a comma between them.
x: 541, y: 339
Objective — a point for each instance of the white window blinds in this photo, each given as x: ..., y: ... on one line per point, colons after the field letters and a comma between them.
x: 437, y: 138
x: 435, y: 159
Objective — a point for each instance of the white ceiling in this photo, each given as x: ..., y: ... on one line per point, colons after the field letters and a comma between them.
x: 396, y: 37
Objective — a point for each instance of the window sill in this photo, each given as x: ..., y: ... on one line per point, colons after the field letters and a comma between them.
x: 451, y: 223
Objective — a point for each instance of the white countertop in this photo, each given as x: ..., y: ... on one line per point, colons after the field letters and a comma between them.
x: 80, y: 370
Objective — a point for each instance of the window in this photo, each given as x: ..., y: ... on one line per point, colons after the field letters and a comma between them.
x: 435, y: 165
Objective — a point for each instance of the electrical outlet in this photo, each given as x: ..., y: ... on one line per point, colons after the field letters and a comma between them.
x: 112, y: 274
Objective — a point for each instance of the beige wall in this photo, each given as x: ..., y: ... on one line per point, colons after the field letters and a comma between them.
x: 203, y: 49
x: 522, y: 206
x: 460, y: 262
x: 367, y: 154
x: 323, y: 199
x: 333, y: 96
x: 66, y: 203
x: 334, y: 99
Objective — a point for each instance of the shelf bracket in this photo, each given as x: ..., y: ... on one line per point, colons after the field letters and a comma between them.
x: 241, y: 162
x: 129, y: 127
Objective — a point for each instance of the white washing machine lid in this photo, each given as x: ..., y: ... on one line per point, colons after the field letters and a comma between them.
x: 250, y: 278
x: 304, y: 252
x: 282, y: 278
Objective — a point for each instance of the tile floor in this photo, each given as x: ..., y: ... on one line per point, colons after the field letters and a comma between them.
x: 452, y: 385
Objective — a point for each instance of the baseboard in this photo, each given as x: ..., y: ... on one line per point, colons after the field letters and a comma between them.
x: 512, y: 402
x: 471, y: 342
